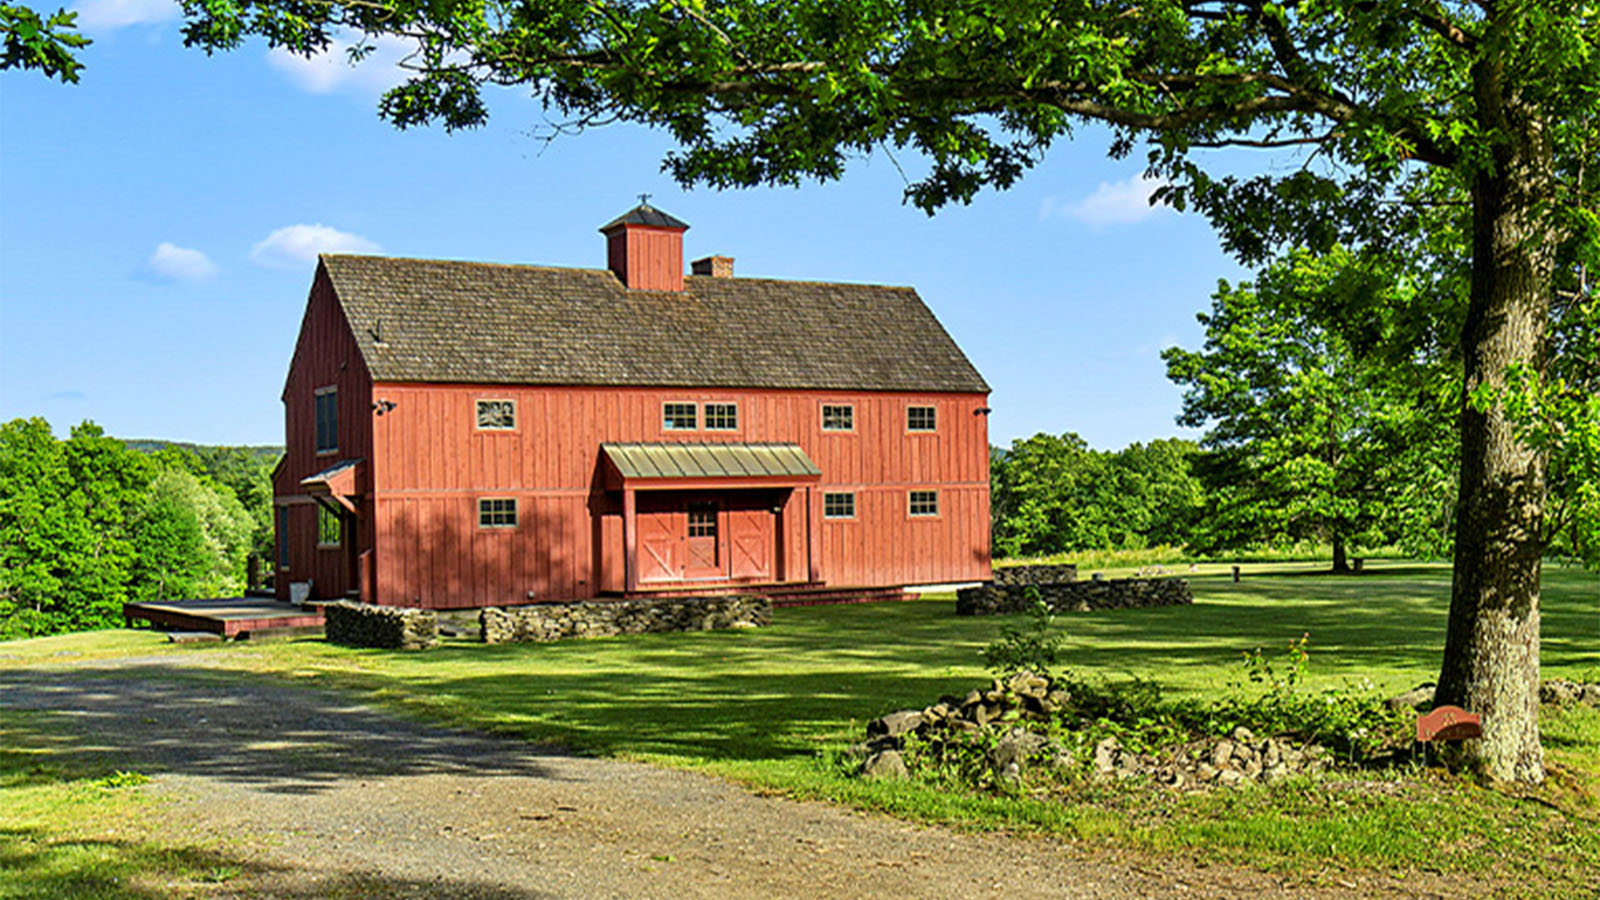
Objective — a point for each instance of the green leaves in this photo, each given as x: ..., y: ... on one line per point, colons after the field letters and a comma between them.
x: 45, y: 44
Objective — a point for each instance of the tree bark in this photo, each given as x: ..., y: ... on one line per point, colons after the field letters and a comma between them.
x: 1341, y: 562
x: 1491, y: 655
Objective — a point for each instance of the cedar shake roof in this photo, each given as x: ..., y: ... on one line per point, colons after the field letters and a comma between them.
x: 442, y: 321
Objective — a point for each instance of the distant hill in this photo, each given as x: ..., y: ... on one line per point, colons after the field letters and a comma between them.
x: 266, y: 452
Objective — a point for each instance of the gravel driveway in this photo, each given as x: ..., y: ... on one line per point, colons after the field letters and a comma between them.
x: 325, y: 796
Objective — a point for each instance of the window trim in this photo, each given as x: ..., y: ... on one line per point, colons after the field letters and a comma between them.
x: 834, y: 517
x: 516, y: 515
x: 911, y: 504
x: 823, y: 416
x: 705, y: 415
x: 477, y: 416
x: 316, y: 435
x: 933, y: 413
x: 324, y: 545
x: 694, y: 408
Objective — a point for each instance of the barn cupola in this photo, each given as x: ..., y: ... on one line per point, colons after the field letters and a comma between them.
x: 644, y: 247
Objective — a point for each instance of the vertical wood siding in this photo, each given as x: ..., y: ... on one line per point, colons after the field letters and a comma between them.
x: 430, y: 465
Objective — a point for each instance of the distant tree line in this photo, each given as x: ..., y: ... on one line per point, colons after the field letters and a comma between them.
x: 90, y: 522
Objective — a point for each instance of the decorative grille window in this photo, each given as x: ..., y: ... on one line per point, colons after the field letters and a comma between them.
x: 679, y: 417
x: 330, y: 527
x: 497, y: 512
x: 327, y: 408
x: 497, y: 415
x: 838, y: 418
x: 722, y: 416
x: 920, y: 418
x: 702, y: 520
x: 839, y: 506
x: 924, y: 503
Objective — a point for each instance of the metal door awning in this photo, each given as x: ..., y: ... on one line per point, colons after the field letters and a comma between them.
x: 709, y: 465
x: 335, y: 484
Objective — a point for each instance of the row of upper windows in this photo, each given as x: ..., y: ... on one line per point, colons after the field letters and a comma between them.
x: 684, y: 415
x: 501, y: 415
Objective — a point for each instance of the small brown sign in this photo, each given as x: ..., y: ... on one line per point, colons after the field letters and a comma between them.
x: 1448, y: 723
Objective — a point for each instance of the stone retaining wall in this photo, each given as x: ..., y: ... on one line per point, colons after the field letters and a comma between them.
x: 1041, y: 574
x: 392, y: 627
x: 601, y: 618
x: 1074, y: 596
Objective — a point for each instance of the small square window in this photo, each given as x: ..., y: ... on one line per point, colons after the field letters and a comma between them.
x: 498, y: 512
x: 679, y: 417
x: 330, y: 527
x: 839, y: 506
x: 722, y: 416
x: 838, y: 418
x: 327, y: 413
x: 924, y: 503
x: 703, y: 520
x: 497, y: 415
x: 920, y: 418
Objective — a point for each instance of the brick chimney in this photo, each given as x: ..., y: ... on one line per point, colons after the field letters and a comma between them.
x: 715, y: 266
x: 644, y: 247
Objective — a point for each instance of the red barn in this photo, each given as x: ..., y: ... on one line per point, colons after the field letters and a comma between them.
x: 467, y: 434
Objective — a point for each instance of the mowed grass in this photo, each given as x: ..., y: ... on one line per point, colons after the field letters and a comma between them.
x: 769, y: 706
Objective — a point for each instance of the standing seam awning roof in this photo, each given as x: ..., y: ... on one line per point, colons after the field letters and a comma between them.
x: 674, y: 460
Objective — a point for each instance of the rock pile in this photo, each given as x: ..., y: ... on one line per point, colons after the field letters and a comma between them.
x: 602, y: 618
x: 389, y: 627
x: 1028, y: 699
x: 1554, y: 691
x: 1560, y: 690
x: 1233, y: 760
x: 1041, y: 574
x: 1074, y: 596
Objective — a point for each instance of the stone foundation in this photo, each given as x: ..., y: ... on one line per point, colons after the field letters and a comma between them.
x: 1053, y: 574
x: 390, y: 627
x: 1074, y: 596
x: 602, y: 618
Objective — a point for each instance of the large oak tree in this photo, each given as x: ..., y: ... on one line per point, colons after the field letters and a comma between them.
x: 1396, y: 105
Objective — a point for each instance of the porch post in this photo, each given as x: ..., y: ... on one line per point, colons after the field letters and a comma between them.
x: 630, y: 540
x: 813, y: 534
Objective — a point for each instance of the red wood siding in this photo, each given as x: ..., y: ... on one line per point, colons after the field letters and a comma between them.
x: 325, y: 355
x: 430, y: 464
x: 646, y: 258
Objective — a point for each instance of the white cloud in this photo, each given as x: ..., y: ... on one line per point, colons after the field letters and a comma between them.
x: 331, y: 70
x: 293, y: 246
x: 109, y: 15
x: 1112, y: 203
x: 173, y: 263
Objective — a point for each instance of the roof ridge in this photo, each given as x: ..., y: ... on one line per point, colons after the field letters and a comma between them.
x: 544, y: 267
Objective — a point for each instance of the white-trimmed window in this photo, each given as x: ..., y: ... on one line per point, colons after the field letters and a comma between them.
x: 722, y: 417
x: 921, y: 418
x: 839, y: 506
x: 922, y: 503
x: 330, y: 528
x: 838, y: 417
x: 497, y: 415
x: 497, y: 512
x: 679, y: 417
x: 326, y: 400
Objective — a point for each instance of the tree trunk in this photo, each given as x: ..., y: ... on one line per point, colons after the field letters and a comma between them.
x: 1341, y: 563
x: 1491, y: 654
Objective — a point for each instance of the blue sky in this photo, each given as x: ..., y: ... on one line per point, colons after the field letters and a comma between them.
x: 159, y: 224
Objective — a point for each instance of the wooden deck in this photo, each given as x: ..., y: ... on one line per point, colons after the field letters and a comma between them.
x: 232, y: 617
x: 791, y: 593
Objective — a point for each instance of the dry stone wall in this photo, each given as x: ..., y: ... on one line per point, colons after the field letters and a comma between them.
x: 602, y: 618
x: 1074, y: 596
x: 391, y: 627
x: 1040, y: 574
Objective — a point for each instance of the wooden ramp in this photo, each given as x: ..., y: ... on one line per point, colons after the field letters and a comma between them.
x: 231, y: 617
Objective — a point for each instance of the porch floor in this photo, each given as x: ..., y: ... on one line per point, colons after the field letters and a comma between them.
x: 230, y: 617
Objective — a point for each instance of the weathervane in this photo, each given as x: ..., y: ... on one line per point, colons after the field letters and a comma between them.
x: 644, y: 199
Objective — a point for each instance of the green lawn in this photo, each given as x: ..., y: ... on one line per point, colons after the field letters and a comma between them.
x: 763, y: 706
